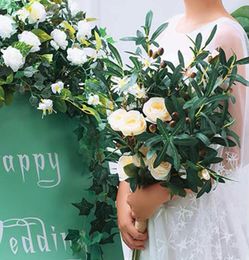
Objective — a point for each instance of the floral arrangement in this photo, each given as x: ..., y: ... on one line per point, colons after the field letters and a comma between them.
x: 171, y: 122
x: 67, y: 64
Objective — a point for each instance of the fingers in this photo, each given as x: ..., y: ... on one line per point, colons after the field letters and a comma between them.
x: 132, y: 243
x: 136, y: 234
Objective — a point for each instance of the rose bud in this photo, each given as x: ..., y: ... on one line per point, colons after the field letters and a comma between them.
x: 155, y: 55
x: 175, y: 115
x: 172, y: 123
x: 160, y: 51
x: 150, y: 53
x: 188, y: 120
x: 163, y: 64
x: 193, y: 75
x: 152, y: 128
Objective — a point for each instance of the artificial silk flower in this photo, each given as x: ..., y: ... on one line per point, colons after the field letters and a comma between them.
x: 22, y: 14
x: 30, y: 39
x: 155, y: 109
x: 13, y: 58
x: 133, y: 123
x: 93, y: 100
x: 37, y: 12
x: 84, y: 30
x: 160, y: 173
x: 123, y: 161
x: 120, y: 84
x: 115, y: 119
x: 7, y: 26
x: 59, y: 39
x: 57, y: 87
x: 137, y: 91
x: 147, y: 62
x: 76, y: 56
x: 46, y: 105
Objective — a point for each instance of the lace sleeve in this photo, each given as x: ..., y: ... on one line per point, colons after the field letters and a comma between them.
x: 231, y: 38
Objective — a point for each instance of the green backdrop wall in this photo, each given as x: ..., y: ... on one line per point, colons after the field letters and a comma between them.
x: 41, y: 174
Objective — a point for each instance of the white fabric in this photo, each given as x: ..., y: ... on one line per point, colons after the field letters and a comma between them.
x: 216, y: 226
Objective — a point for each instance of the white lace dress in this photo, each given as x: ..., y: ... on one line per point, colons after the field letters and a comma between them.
x: 216, y: 226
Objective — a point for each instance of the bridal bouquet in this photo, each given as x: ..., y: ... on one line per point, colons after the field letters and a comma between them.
x: 171, y: 120
x: 50, y: 52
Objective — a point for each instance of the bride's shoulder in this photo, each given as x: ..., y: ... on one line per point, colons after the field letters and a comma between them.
x: 229, y: 28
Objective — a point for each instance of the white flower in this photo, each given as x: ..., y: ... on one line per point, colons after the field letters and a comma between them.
x: 22, y: 14
x: 76, y: 56
x: 75, y: 6
x: 13, y: 58
x: 59, y: 39
x: 137, y: 91
x: 161, y: 172
x: 204, y: 174
x: 155, y: 109
x: 120, y: 84
x: 133, y: 123
x: 115, y: 119
x: 37, y: 12
x: 147, y: 62
x: 84, y: 30
x: 122, y: 162
x: 30, y: 39
x: 7, y: 26
x: 93, y: 53
x: 93, y: 100
x: 57, y: 87
x: 46, y: 105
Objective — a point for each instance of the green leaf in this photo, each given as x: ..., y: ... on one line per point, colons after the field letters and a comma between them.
x: 42, y: 35
x: 2, y: 94
x: 159, y: 30
x: 22, y: 47
x: 241, y: 80
x: 243, y: 61
x: 163, y: 129
x: 60, y: 105
x: 185, y: 140
x: 203, y: 138
x: 115, y: 54
x: 84, y: 207
x: 211, y: 36
x: 160, y: 156
x: 131, y: 170
x: 205, y: 189
x: 148, y: 22
x: 198, y: 41
x: 98, y: 41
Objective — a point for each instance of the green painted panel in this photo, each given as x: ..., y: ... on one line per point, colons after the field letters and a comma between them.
x: 41, y: 174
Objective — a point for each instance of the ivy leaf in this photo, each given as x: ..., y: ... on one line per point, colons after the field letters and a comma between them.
x: 42, y: 35
x: 84, y: 206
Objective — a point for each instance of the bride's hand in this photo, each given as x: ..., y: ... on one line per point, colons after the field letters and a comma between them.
x: 144, y: 202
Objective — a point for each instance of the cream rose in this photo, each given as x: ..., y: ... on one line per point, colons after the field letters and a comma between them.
x: 133, y: 123
x: 115, y: 119
x: 123, y: 161
x: 161, y: 172
x: 155, y: 109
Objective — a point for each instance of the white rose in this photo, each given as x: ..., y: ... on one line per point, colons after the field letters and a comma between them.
x: 161, y: 172
x: 133, y: 123
x: 37, y: 12
x: 30, y: 39
x: 204, y: 174
x: 123, y: 161
x: 84, y: 30
x: 115, y: 119
x: 155, y: 109
x: 76, y: 56
x: 93, y: 100
x: 46, y: 105
x: 57, y: 87
x: 22, y: 14
x: 59, y: 39
x: 7, y: 26
x: 13, y: 58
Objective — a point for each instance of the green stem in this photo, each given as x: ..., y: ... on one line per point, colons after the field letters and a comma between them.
x: 136, y: 254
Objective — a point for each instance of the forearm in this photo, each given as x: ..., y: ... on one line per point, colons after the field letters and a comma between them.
x: 123, y: 192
